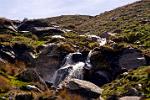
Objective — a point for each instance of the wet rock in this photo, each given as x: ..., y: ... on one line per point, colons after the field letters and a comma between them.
x: 131, y: 98
x: 24, y: 97
x: 51, y: 59
x: 77, y: 57
x: 85, y: 88
x: 100, y: 78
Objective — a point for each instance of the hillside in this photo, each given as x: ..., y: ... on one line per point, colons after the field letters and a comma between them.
x: 121, y: 20
x: 77, y: 57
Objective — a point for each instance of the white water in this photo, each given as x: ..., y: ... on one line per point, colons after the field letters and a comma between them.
x: 69, y: 70
x: 88, y: 62
x: 101, y: 41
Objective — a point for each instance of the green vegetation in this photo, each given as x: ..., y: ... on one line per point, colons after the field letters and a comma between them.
x: 124, y: 83
x: 12, y: 38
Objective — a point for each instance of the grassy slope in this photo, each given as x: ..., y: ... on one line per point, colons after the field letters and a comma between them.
x: 126, y: 19
x: 121, y: 85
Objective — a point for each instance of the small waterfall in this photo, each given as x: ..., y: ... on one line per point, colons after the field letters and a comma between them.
x: 88, y: 62
x: 70, y: 69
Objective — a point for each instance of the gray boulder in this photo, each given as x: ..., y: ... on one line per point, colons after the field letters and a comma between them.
x: 131, y: 58
x: 85, y: 88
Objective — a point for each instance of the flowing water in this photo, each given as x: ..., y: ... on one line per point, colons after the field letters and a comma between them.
x: 70, y: 69
x: 73, y: 68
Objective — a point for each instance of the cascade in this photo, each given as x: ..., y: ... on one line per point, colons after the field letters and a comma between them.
x: 70, y: 69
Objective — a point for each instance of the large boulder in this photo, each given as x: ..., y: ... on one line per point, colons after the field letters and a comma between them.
x: 51, y: 59
x: 85, y: 88
x: 24, y: 53
x: 107, y: 63
x: 131, y: 58
x: 31, y: 75
x: 27, y: 25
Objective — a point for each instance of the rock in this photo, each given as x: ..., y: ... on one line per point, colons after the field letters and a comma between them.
x: 40, y: 31
x: 84, y: 88
x: 131, y: 98
x: 77, y: 57
x: 100, y: 77
x: 7, y: 24
x: 32, y: 87
x: 20, y: 48
x: 51, y: 59
x: 29, y: 76
x: 104, y: 65
x: 132, y: 92
x: 24, y: 53
x: 131, y: 58
x: 27, y: 25
x: 93, y: 37
x: 112, y: 97
x: 24, y: 97
x: 57, y: 37
x: 7, y: 53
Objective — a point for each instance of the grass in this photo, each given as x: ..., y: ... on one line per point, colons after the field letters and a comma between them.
x: 121, y: 85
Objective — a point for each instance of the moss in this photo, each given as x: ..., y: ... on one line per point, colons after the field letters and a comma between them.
x: 11, y: 81
x: 120, y: 86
